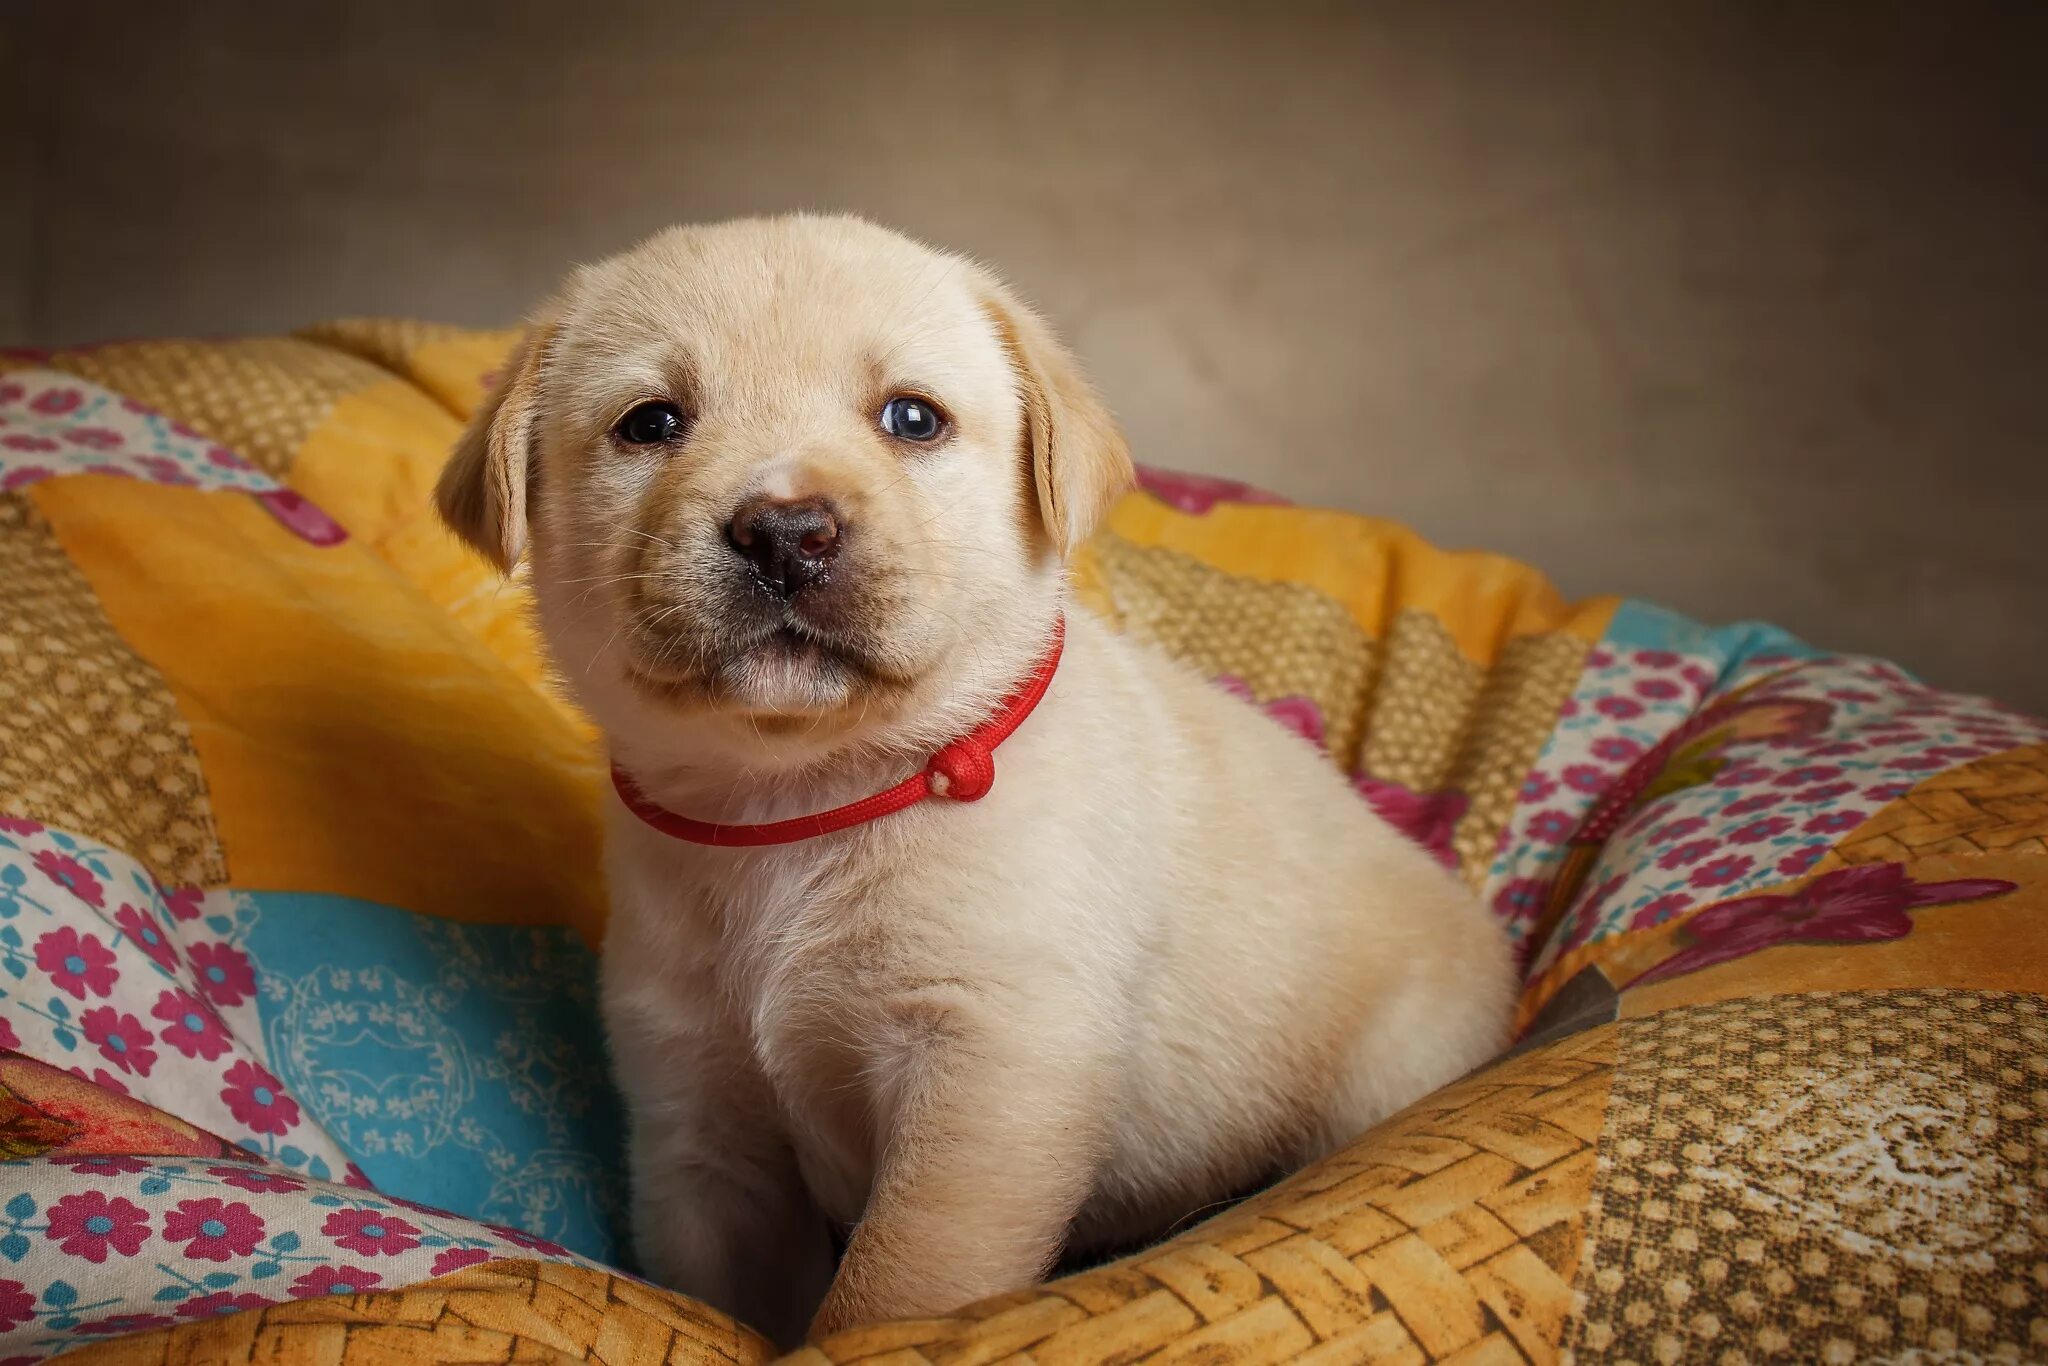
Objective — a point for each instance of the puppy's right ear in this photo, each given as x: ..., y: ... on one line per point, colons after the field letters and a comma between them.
x: 482, y: 493
x: 1080, y: 463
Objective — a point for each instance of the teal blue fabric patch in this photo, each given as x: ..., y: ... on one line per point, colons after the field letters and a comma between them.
x: 462, y: 1066
x: 1641, y: 625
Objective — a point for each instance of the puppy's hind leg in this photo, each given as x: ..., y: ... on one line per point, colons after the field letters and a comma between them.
x: 1428, y: 1034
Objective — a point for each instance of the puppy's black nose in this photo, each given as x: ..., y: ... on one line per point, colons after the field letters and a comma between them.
x: 788, y: 543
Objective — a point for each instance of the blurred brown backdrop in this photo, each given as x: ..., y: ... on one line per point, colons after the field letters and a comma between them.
x: 1738, y: 306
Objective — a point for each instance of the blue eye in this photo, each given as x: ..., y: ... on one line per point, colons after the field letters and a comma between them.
x: 650, y: 424
x: 912, y: 419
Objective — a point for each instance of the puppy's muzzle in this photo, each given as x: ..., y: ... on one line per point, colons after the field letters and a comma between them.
x: 786, y: 545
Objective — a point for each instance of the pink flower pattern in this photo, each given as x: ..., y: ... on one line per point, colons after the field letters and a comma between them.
x: 371, y: 1233
x: 93, y: 1225
x: 60, y: 425
x: 190, y: 1026
x: 143, y: 1026
x: 1767, y: 814
x: 213, y: 1230
x: 1755, y: 831
x: 73, y: 876
x: 120, y: 1038
x: 102, y: 1078
x: 17, y: 1306
x: 116, y: 1324
x: 79, y: 964
x: 141, y: 928
x: 258, y: 1099
x: 1868, y: 902
x: 174, y: 1241
x: 56, y: 401
x: 103, y: 1164
x: 256, y: 1179
x: 223, y: 973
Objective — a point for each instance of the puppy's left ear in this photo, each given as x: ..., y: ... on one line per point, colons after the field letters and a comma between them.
x: 1080, y: 462
x: 483, y: 488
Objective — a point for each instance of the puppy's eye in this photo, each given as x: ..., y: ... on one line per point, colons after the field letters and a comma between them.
x: 912, y: 419
x: 650, y: 424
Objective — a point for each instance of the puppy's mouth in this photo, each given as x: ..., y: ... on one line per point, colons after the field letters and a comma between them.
x: 787, y: 666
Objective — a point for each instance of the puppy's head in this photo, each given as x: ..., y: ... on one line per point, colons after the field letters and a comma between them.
x: 797, y: 476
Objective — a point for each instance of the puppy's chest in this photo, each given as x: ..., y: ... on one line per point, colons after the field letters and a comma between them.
x: 814, y: 961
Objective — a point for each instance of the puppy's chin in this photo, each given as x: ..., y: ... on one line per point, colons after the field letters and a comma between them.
x: 787, y: 675
x: 784, y: 678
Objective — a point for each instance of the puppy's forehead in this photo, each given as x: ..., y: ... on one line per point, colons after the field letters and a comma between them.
x: 811, y: 302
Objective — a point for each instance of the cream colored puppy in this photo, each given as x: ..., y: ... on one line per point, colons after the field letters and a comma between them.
x: 797, y: 493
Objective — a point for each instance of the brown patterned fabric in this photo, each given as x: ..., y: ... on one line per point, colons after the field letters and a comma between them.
x: 1409, y: 709
x: 1449, y: 1233
x: 1282, y: 639
x: 492, y: 1315
x: 260, y: 398
x: 1511, y: 717
x: 1992, y: 806
x: 1419, y: 704
x: 90, y: 737
x: 1823, y: 1178
x: 388, y: 343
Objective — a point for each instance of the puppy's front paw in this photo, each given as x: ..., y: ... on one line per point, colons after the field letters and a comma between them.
x: 865, y: 1292
x: 834, y: 1316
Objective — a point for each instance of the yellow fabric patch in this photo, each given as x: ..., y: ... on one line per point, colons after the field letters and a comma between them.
x: 356, y: 741
x: 1375, y: 568
x: 372, y: 465
x: 456, y: 369
x: 1997, y: 944
x: 451, y: 363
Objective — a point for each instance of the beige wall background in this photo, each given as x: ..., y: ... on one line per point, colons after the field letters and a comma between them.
x: 1742, y: 307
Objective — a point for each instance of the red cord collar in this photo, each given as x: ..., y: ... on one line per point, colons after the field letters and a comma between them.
x: 964, y: 771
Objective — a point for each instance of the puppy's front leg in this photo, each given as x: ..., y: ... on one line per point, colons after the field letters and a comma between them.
x: 720, y: 1210
x: 994, y: 1143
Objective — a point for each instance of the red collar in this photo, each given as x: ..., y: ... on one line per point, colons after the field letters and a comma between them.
x: 963, y: 770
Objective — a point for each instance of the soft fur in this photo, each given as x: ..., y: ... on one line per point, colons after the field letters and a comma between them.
x: 1168, y: 955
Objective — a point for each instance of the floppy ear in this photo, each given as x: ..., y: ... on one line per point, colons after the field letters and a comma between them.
x: 1080, y: 463
x: 482, y: 493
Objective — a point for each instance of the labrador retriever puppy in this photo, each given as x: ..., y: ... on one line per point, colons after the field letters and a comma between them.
x: 940, y: 912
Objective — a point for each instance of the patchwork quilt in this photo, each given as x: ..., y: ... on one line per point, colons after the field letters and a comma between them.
x: 299, y: 901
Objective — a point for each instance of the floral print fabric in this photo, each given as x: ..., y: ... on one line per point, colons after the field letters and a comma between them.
x: 1795, y: 753
x: 54, y: 424
x: 143, y: 990
x: 124, y: 1003
x: 214, y: 1099
x: 102, y: 1245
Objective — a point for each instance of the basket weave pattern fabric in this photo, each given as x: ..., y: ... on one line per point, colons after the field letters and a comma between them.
x: 298, y: 1053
